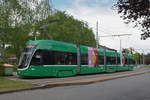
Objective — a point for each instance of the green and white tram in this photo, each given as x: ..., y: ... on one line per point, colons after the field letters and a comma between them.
x: 49, y: 58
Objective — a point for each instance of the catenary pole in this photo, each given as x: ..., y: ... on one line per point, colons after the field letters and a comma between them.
x: 97, y: 38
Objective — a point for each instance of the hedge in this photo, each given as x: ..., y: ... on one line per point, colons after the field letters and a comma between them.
x: 2, y: 69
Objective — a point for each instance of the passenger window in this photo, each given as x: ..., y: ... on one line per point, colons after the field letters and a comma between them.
x: 101, y: 60
x: 111, y: 60
x: 37, y: 58
x: 84, y: 59
x: 118, y: 60
x: 126, y: 61
x: 47, y: 57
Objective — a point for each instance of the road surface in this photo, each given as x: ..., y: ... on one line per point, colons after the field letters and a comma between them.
x: 129, y: 88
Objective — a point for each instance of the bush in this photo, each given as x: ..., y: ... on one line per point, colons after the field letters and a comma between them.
x: 2, y: 62
x: 2, y: 71
x: 1, y: 67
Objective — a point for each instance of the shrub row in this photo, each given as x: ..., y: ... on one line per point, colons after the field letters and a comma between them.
x: 2, y: 69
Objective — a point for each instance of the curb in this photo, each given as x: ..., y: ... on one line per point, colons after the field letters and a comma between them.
x: 58, y: 84
x: 19, y: 90
x: 92, y: 81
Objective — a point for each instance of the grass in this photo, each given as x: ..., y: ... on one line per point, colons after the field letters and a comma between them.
x: 6, y: 84
x: 146, y: 66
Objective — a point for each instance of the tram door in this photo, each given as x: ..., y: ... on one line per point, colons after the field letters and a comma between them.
x: 105, y: 59
x: 78, y: 58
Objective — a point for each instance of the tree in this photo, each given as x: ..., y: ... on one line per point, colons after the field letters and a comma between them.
x: 7, y: 9
x: 125, y: 51
x: 35, y: 11
x: 136, y: 57
x: 20, y: 18
x: 33, y: 14
x: 136, y: 11
x: 128, y: 51
x: 69, y: 29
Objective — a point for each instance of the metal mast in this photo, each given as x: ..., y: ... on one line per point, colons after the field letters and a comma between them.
x: 97, y: 38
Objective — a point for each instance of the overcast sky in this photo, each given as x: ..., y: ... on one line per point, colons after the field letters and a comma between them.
x: 110, y: 22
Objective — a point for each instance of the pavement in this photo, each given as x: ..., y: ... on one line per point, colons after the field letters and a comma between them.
x: 75, y: 80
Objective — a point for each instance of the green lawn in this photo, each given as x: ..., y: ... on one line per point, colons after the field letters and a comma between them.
x: 146, y: 66
x: 6, y: 85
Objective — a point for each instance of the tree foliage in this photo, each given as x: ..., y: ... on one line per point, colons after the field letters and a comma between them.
x: 128, y: 51
x: 21, y: 20
x: 8, y: 8
x: 136, y: 57
x: 136, y: 11
x: 72, y: 30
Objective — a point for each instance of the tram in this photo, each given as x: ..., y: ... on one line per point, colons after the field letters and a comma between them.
x: 50, y: 58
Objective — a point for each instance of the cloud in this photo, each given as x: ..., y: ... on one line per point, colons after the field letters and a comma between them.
x: 109, y: 23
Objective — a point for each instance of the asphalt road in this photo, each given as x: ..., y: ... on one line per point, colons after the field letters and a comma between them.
x: 129, y: 88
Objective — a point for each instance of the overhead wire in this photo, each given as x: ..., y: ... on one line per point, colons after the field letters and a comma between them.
x: 104, y: 31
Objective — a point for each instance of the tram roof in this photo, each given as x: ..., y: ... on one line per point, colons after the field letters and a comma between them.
x: 49, y: 42
x: 54, y: 45
x: 69, y: 47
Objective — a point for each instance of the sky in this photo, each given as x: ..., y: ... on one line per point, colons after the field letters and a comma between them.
x: 109, y: 21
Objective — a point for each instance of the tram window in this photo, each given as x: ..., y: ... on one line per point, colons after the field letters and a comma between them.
x: 47, y: 57
x: 131, y: 61
x: 84, y: 59
x: 101, y: 60
x: 64, y: 58
x: 72, y: 58
x: 118, y: 60
x: 36, y: 59
x: 126, y: 61
x: 110, y: 60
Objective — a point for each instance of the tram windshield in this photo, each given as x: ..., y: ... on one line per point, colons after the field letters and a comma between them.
x: 26, y: 56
